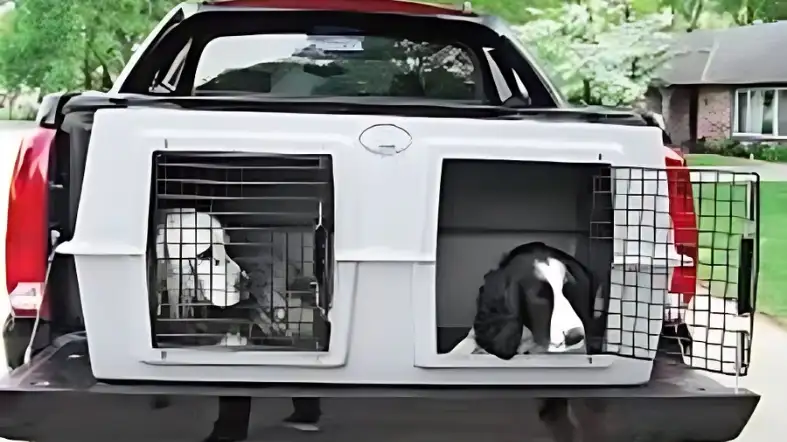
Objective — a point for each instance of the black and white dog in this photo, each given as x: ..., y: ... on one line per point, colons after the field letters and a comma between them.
x: 539, y: 300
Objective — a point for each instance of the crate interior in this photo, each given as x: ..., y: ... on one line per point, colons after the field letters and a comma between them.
x: 487, y: 208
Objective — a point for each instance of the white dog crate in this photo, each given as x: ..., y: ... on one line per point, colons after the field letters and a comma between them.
x: 280, y: 249
x: 615, y: 220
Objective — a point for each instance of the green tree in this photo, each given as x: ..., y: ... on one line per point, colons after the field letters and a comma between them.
x: 35, y: 50
x: 75, y: 44
x: 111, y: 29
x: 689, y: 10
x: 603, y: 52
x: 515, y: 11
x: 746, y: 12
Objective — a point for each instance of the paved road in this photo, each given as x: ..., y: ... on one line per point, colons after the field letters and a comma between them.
x: 769, y: 362
x: 766, y: 376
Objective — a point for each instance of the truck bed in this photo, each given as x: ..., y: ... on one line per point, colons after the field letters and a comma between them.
x: 56, y: 397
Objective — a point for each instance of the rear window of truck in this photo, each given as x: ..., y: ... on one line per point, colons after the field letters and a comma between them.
x: 315, y: 65
x: 313, y: 54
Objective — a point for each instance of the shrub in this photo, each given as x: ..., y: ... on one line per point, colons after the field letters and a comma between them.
x: 725, y: 147
x: 765, y: 151
x: 774, y: 152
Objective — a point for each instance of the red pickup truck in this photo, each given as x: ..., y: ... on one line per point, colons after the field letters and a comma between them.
x: 348, y: 115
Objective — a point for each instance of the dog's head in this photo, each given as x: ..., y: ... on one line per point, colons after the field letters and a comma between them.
x: 193, y: 246
x: 552, y: 317
x: 538, y: 300
x: 528, y: 293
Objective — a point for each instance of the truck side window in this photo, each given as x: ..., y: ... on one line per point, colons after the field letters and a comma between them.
x: 510, y: 87
x: 166, y: 80
x: 500, y: 82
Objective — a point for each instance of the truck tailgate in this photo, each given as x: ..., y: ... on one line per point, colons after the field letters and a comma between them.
x: 56, y: 394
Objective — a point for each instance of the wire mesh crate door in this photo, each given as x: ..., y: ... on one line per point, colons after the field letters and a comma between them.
x: 719, y: 314
x: 643, y: 254
x: 708, y: 292
x: 235, y: 243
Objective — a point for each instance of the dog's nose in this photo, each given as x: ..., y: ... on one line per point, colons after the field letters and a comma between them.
x: 574, y: 336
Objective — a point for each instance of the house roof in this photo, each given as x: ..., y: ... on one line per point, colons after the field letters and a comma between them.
x: 744, y: 55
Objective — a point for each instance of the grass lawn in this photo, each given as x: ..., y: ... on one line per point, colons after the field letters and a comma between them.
x: 721, y: 222
x: 707, y: 159
x: 772, y: 292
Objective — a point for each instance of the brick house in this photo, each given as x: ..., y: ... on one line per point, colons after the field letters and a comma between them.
x: 729, y: 83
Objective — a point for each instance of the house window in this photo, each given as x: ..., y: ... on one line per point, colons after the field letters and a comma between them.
x: 761, y: 112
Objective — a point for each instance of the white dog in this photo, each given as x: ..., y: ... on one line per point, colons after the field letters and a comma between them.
x: 190, y: 246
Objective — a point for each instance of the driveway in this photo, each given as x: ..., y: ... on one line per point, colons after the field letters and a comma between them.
x: 765, y: 377
x: 766, y: 171
x: 768, y: 366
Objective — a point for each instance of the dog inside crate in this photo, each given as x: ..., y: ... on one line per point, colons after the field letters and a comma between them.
x: 235, y: 253
x: 535, y: 301
x: 551, y: 225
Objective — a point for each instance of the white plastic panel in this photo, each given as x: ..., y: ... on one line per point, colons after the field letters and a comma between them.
x: 383, y: 315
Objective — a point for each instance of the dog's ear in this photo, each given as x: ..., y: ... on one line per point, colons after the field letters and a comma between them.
x: 498, y: 323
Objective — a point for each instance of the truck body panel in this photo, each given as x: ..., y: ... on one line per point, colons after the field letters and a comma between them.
x: 57, y: 395
x: 388, y: 375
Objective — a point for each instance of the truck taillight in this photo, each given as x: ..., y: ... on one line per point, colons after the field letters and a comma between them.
x: 27, y: 238
x: 684, y: 220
